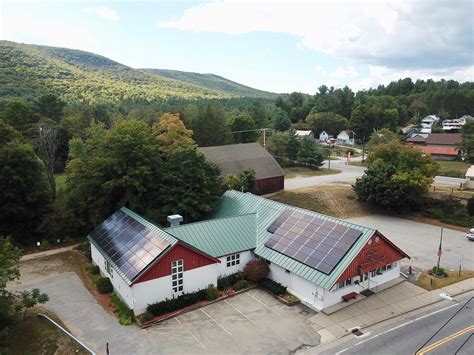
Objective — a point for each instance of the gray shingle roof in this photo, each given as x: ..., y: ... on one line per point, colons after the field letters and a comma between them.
x: 235, y: 158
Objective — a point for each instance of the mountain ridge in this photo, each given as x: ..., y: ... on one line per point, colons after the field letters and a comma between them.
x: 81, y: 76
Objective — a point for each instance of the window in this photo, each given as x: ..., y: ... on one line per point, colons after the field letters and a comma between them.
x: 177, y: 275
x: 345, y: 283
x: 389, y: 266
x: 233, y: 260
x: 109, y: 268
x: 373, y: 273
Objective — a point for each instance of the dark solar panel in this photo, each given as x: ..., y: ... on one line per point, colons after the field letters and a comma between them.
x: 311, y: 240
x: 129, y: 244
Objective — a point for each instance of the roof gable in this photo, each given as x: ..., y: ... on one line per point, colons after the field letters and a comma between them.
x: 220, y: 236
x: 130, y: 243
x: 235, y: 158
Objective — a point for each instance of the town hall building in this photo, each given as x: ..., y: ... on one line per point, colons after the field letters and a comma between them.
x: 320, y: 259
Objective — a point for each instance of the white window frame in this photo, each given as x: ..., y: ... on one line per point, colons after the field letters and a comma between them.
x: 109, y: 268
x: 233, y: 260
x: 344, y: 283
x: 177, y: 279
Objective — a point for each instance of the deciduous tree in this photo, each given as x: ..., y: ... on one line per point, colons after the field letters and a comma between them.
x: 172, y: 134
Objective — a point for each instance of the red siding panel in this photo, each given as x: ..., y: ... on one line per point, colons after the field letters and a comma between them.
x: 372, y: 256
x: 270, y: 185
x: 192, y: 259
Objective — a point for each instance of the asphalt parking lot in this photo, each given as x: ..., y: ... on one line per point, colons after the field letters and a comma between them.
x: 421, y: 241
x: 250, y: 322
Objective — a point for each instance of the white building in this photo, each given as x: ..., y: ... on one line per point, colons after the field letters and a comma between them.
x: 300, y: 134
x: 469, y: 184
x: 323, y: 136
x: 345, y: 137
x: 320, y: 259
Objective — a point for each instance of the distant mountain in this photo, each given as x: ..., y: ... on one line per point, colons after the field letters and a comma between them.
x: 78, y: 76
x: 211, y: 81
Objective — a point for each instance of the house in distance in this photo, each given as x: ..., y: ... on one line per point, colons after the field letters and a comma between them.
x: 320, y: 259
x: 235, y: 158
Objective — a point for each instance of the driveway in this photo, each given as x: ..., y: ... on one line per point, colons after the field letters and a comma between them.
x: 421, y: 241
x: 251, y: 322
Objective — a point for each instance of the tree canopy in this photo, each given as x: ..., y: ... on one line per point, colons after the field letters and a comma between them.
x: 172, y: 134
x: 397, y: 178
x: 330, y: 122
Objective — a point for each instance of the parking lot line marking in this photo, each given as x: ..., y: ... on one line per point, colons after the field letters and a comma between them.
x: 238, y: 310
x: 218, y: 324
x: 195, y: 337
x: 177, y: 320
x: 175, y: 337
x: 256, y: 299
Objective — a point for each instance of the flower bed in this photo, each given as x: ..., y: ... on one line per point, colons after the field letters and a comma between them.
x: 289, y: 299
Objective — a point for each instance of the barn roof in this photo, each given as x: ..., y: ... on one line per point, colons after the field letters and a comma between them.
x: 220, y: 236
x: 235, y: 158
x: 444, y: 139
x: 236, y: 203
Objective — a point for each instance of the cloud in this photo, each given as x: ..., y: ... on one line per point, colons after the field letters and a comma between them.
x: 403, y: 34
x: 31, y: 30
x: 102, y: 11
x: 345, y: 72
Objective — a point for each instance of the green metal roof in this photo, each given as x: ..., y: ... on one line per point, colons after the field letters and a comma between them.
x: 236, y: 203
x: 220, y: 236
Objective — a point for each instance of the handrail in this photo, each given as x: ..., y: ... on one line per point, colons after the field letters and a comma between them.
x: 84, y: 346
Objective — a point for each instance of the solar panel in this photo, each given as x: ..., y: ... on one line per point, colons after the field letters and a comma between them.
x: 130, y: 244
x: 311, y: 240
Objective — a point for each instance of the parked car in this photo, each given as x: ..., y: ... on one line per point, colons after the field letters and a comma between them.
x: 470, y: 234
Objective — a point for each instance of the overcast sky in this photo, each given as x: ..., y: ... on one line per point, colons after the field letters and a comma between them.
x: 280, y: 46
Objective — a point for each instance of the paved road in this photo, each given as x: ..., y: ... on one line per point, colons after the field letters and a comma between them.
x: 421, y: 241
x: 348, y: 176
x: 409, y: 336
x: 450, y: 181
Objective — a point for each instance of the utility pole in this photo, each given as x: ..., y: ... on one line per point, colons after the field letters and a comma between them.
x: 440, y: 251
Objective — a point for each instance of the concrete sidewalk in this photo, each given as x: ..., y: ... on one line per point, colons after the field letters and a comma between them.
x: 397, y: 300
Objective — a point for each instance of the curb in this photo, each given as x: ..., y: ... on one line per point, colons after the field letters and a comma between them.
x: 398, y: 315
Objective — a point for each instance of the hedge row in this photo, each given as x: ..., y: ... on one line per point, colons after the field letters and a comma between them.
x: 274, y: 287
x: 125, y: 314
x: 104, y: 285
x: 184, y: 300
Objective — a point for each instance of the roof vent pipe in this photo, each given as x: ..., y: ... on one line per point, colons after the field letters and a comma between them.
x: 174, y: 219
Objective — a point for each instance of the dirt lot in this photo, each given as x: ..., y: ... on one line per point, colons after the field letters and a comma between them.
x: 333, y: 200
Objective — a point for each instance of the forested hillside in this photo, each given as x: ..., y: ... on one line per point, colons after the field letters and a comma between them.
x: 80, y: 77
x: 211, y: 81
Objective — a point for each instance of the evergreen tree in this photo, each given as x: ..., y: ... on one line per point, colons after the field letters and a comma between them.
x: 210, y: 126
x: 293, y: 145
x: 309, y: 155
x: 281, y: 122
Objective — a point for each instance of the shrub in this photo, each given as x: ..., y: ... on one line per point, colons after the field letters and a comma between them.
x: 104, y: 285
x: 255, y: 270
x: 96, y: 278
x: 147, y: 316
x: 225, y: 282
x: 212, y: 293
x: 93, y: 269
x: 174, y: 304
x: 240, y: 285
x: 272, y: 286
x: 45, y: 244
x: 470, y: 206
x: 438, y: 271
x: 125, y: 314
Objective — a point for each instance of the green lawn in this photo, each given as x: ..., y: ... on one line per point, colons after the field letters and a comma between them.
x: 453, y: 168
x: 36, y: 335
x: 295, y: 171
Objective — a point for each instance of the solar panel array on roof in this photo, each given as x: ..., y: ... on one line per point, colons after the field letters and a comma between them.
x: 129, y: 244
x: 311, y: 240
